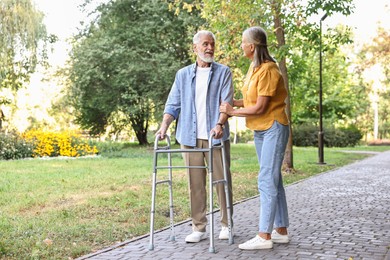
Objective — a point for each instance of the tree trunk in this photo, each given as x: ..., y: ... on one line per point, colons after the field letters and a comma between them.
x: 140, y: 127
x: 288, y: 164
x: 142, y: 137
x: 1, y: 118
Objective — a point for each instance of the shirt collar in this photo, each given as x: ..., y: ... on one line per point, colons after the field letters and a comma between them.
x: 195, y: 65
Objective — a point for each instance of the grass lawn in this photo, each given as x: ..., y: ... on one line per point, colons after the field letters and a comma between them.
x: 66, y: 208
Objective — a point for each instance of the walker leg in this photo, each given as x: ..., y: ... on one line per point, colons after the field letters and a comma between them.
x: 172, y: 236
x: 211, y: 185
x: 227, y: 194
x: 151, y: 242
x: 154, y: 187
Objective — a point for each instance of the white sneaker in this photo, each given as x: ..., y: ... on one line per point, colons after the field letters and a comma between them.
x: 224, y: 234
x: 256, y: 243
x: 195, y: 237
x: 278, y: 238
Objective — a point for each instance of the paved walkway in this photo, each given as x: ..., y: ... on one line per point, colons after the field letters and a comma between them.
x: 341, y: 214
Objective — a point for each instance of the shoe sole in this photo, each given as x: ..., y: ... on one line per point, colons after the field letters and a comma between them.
x: 256, y: 248
x: 195, y: 241
x: 278, y: 238
x: 224, y: 238
x: 280, y: 241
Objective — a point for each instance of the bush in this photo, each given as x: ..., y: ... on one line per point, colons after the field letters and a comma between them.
x: 242, y: 136
x: 58, y: 144
x: 12, y: 146
x: 111, y: 149
x: 307, y: 135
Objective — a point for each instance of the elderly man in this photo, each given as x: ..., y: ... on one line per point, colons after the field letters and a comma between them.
x: 196, y: 94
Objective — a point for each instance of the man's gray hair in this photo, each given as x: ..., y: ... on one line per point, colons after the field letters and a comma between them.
x: 196, y: 38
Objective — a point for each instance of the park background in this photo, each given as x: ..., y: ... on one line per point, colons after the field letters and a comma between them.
x: 91, y: 77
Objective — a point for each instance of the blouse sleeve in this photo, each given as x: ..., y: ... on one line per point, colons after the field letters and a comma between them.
x: 268, y: 82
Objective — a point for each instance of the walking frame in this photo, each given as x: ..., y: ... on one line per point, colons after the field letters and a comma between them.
x: 167, y: 149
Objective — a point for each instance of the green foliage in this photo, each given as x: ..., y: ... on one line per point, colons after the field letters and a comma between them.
x: 126, y: 62
x: 292, y: 39
x: 378, y: 52
x: 228, y: 19
x: 21, y: 32
x: 117, y: 149
x: 373, y: 55
x: 242, y: 136
x: 344, y: 98
x: 12, y: 147
x: 307, y: 135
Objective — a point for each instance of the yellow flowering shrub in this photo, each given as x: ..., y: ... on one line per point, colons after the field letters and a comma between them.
x: 58, y: 144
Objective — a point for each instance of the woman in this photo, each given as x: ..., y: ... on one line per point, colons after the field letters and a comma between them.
x: 263, y: 105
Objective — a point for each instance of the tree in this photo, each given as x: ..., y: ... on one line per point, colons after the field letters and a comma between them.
x: 293, y: 34
x: 344, y: 97
x: 124, y: 64
x: 376, y: 57
x: 21, y: 33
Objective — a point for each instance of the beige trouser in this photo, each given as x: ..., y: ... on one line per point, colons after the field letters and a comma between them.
x: 197, y: 183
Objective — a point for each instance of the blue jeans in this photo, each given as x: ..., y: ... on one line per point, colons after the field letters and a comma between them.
x: 270, y: 147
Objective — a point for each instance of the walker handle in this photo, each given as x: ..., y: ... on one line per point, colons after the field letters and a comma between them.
x: 158, y: 138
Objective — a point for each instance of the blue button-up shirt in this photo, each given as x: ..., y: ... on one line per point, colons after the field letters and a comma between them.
x: 181, y: 101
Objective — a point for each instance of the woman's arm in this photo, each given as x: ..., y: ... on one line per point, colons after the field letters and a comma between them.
x: 259, y: 108
x: 238, y: 102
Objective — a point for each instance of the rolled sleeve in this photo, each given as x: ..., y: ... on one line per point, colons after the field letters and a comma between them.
x: 227, y: 88
x: 173, y: 104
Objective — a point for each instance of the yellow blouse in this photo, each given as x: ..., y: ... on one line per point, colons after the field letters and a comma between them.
x: 265, y: 80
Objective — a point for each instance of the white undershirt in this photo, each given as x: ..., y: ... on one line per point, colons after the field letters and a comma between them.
x: 202, y: 76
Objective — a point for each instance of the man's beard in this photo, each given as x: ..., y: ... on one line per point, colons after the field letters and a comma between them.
x: 206, y: 59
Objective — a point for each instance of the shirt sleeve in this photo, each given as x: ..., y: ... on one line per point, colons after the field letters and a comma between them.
x: 227, y: 89
x: 173, y: 103
x: 268, y: 82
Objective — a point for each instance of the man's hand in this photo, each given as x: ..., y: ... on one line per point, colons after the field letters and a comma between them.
x: 167, y: 120
x: 162, y: 132
x: 218, y: 131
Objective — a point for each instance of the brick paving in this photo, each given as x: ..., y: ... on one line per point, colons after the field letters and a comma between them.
x: 340, y: 214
